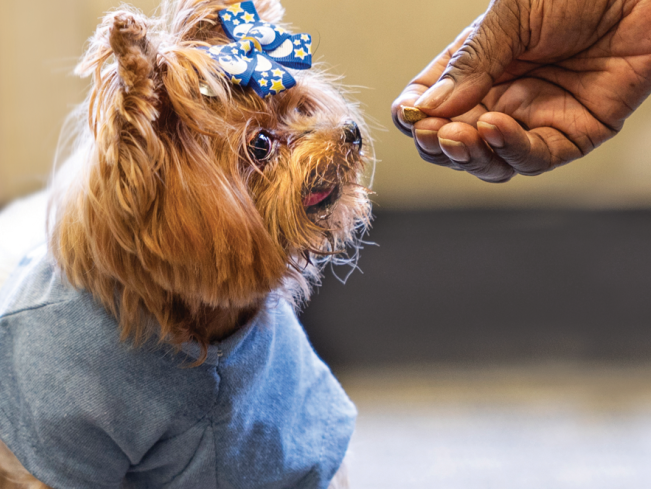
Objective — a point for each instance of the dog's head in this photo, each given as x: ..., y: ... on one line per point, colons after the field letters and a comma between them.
x: 186, y: 203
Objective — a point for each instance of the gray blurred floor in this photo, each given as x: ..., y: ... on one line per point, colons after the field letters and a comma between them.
x: 550, y: 426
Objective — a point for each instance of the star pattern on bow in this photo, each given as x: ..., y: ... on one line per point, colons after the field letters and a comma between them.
x: 260, y: 51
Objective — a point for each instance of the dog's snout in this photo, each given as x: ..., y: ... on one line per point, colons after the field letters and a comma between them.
x: 352, y: 134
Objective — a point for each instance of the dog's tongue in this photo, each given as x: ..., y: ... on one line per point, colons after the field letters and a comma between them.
x: 316, y: 197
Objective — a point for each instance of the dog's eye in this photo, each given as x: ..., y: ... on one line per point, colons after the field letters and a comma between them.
x: 261, y: 146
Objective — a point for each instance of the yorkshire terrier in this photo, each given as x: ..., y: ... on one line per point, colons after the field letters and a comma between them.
x: 154, y: 342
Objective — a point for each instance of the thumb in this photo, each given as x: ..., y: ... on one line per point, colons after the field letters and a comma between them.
x: 472, y: 70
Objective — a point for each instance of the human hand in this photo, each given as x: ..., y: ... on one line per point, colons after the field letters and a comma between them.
x: 531, y: 85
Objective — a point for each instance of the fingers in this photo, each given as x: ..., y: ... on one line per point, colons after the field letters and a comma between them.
x: 496, y: 150
x: 478, y: 62
x: 423, y: 81
x: 459, y: 146
x: 527, y: 152
x: 406, y: 99
x: 425, y: 135
x: 460, y: 134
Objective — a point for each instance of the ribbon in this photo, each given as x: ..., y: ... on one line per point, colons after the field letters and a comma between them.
x: 260, y: 51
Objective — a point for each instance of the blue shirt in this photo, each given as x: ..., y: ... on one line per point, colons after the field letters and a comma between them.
x: 81, y: 409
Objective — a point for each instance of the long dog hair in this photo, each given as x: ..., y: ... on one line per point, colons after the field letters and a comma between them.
x: 168, y: 220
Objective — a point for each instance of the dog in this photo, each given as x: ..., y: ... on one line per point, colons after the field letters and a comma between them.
x: 153, y: 341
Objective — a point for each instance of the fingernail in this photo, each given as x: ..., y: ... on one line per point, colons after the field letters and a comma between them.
x: 456, y: 150
x: 436, y: 94
x: 428, y: 141
x: 491, y: 134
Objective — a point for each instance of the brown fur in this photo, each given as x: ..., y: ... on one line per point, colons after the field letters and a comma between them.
x: 13, y: 475
x: 162, y: 213
x: 166, y: 218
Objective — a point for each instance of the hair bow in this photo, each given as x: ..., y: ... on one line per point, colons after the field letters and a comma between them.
x: 259, y: 52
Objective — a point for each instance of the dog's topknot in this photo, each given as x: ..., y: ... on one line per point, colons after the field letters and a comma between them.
x: 135, y: 55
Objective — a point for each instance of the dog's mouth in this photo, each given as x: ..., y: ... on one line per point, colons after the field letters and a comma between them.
x: 319, y: 200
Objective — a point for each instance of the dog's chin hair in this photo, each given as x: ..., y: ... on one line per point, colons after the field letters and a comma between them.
x: 161, y: 212
x: 337, y: 241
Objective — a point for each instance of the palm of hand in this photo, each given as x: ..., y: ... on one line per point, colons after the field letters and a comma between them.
x: 588, y: 93
x: 582, y: 74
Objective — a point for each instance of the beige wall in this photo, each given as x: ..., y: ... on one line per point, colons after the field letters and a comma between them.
x: 376, y: 45
x: 40, y: 43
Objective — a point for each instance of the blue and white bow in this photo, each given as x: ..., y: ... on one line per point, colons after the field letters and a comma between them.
x: 260, y: 51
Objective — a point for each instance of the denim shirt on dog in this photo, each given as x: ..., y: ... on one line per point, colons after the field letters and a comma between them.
x: 80, y: 409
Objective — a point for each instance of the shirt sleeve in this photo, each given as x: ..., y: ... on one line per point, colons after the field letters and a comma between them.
x: 79, y: 407
x: 51, y: 416
x: 289, y: 421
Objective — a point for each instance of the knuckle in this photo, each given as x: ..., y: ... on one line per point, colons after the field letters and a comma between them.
x: 520, y: 158
x: 465, y: 59
x: 520, y: 161
x: 490, y: 169
x: 440, y: 159
x: 529, y: 166
x: 473, y: 59
x: 499, y: 177
x: 531, y: 173
x: 475, y: 165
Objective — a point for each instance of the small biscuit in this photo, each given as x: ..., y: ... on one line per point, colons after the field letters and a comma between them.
x: 412, y: 115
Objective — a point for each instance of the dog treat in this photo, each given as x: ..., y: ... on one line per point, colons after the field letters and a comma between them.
x: 412, y: 115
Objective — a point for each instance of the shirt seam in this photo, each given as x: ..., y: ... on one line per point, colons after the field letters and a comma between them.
x: 31, y: 308
x: 206, y: 416
x: 214, y: 444
x: 212, y: 414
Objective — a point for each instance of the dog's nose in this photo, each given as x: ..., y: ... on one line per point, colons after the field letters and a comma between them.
x: 352, y: 134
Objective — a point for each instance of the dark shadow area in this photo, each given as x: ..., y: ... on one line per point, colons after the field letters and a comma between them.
x: 491, y: 286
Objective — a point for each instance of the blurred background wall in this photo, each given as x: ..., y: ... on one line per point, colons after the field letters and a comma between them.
x: 40, y: 43
x: 377, y: 46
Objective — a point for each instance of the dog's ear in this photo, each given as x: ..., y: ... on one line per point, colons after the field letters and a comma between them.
x: 197, y: 20
x: 124, y: 106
